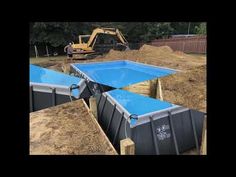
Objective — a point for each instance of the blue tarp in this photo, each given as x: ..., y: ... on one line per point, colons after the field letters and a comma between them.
x: 121, y: 73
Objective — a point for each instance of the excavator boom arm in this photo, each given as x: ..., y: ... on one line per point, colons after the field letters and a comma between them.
x: 110, y: 31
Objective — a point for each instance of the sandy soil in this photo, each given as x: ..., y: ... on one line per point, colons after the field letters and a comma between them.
x: 67, y: 129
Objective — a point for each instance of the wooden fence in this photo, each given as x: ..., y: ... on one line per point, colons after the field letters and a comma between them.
x: 195, y: 44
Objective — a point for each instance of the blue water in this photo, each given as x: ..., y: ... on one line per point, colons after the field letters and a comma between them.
x: 122, y: 73
x: 138, y: 104
x: 47, y: 76
x: 118, y: 77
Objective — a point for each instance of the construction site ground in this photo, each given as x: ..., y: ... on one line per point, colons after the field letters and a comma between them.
x: 67, y: 129
x: 186, y: 88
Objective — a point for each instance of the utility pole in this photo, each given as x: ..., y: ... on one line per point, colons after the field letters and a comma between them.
x: 47, y: 50
x: 36, y: 51
x: 188, y: 27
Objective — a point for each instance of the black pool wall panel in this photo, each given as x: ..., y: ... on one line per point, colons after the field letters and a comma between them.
x: 182, y: 128
x: 50, y: 88
x: 148, y: 138
x: 111, y: 120
x: 44, y: 100
x: 44, y: 96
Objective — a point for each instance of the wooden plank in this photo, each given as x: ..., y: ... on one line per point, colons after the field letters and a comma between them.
x: 159, y: 89
x: 67, y: 129
x: 203, y: 150
x: 93, y: 106
x: 142, y: 88
x: 153, y: 88
x: 127, y: 147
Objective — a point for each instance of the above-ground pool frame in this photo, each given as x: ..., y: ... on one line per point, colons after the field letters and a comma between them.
x: 46, y: 95
x: 124, y: 116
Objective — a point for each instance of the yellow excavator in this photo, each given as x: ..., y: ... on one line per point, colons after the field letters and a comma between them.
x: 85, y: 48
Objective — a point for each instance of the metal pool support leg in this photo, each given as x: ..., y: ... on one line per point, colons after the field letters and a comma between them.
x: 173, y: 132
x: 86, y: 82
x: 103, y: 107
x: 118, y: 128
x: 99, y: 100
x: 154, y: 136
x: 31, y: 99
x: 194, y: 131
x: 112, y: 114
x: 53, y: 97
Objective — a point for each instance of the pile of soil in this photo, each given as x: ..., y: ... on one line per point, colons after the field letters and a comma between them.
x: 56, y: 66
x: 67, y: 129
x: 186, y: 88
x: 159, y: 56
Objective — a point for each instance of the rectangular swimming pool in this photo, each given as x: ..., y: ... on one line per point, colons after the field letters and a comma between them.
x: 119, y: 74
x: 156, y: 127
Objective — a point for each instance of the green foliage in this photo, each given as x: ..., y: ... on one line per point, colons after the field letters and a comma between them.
x: 201, y: 29
x: 183, y: 27
x: 158, y: 30
x: 57, y: 34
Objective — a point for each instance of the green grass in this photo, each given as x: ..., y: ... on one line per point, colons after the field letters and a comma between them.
x: 38, y: 60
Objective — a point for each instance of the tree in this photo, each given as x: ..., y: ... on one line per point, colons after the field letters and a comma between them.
x: 182, y: 27
x: 59, y: 34
x: 201, y: 29
x: 55, y: 33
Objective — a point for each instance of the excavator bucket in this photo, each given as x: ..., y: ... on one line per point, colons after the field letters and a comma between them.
x: 123, y: 47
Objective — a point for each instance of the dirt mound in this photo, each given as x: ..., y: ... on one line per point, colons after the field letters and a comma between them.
x: 57, y: 67
x: 159, y: 56
x: 67, y: 129
x: 114, y: 54
x: 187, y: 88
x: 149, y: 48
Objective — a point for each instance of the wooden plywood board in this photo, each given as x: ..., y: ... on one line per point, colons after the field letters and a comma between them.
x: 143, y: 88
x: 68, y: 129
